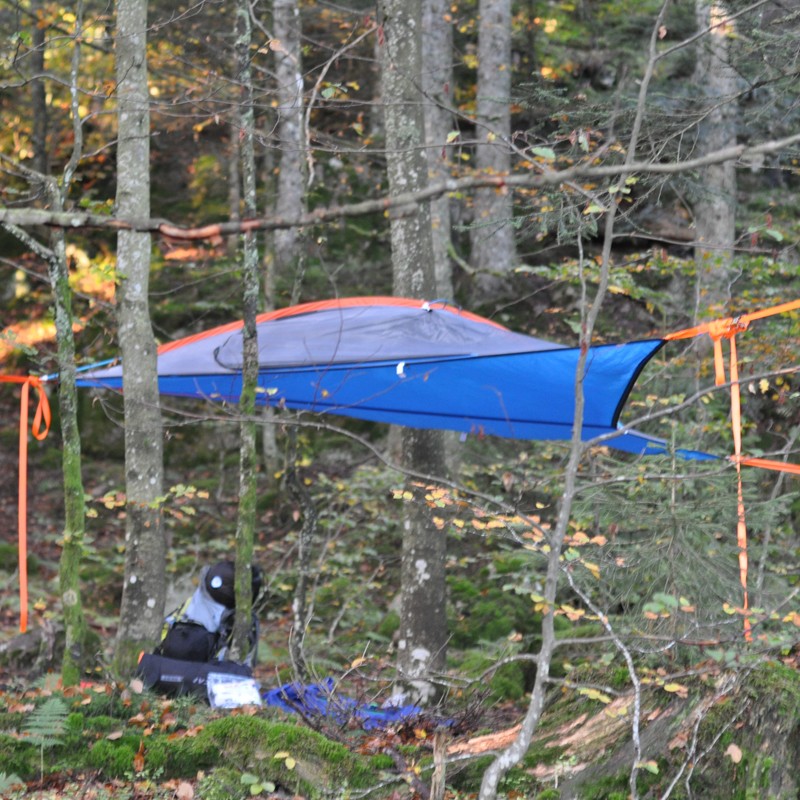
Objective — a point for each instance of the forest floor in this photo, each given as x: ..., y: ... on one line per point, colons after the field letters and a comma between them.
x: 584, y: 747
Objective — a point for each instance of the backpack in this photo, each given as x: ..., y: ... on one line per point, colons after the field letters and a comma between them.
x: 202, y: 628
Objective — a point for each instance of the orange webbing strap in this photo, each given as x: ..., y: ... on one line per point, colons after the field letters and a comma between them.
x: 765, y: 463
x: 741, y: 525
x: 39, y: 429
x: 733, y: 323
x: 727, y: 329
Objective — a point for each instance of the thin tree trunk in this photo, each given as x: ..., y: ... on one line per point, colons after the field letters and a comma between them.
x: 492, y: 235
x: 38, y: 95
x: 423, y: 622
x: 300, y: 604
x: 76, y: 629
x: 246, y: 519
x: 590, y: 311
x: 144, y: 589
x: 54, y: 193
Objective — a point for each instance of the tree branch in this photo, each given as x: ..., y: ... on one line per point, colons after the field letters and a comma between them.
x: 25, y: 217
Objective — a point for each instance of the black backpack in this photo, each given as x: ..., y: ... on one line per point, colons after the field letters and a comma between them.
x: 189, y: 641
x: 201, y: 630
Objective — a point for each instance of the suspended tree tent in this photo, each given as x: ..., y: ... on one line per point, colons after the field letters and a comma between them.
x: 422, y: 365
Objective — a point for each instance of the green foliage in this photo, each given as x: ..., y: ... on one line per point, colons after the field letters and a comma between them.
x: 9, y: 782
x: 46, y: 725
x: 504, y: 683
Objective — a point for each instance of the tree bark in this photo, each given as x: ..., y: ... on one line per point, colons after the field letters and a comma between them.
x: 437, y: 82
x: 76, y: 629
x: 492, y: 235
x: 72, y: 549
x: 246, y: 518
x: 715, y: 206
x: 144, y: 590
x: 290, y: 198
x: 423, y: 623
x: 41, y: 157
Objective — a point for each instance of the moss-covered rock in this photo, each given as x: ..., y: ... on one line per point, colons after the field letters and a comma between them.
x: 291, y: 756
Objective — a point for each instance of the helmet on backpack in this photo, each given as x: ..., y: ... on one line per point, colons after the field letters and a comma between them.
x: 219, y: 582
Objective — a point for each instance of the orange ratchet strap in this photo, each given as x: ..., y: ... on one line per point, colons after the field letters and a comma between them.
x: 727, y: 329
x: 39, y: 429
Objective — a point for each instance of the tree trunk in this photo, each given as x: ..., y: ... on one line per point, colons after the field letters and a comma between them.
x: 144, y: 590
x: 291, y: 138
x: 246, y: 518
x: 492, y: 235
x: 437, y: 80
x: 291, y: 176
x: 76, y: 630
x: 715, y: 206
x: 423, y: 623
x: 41, y: 157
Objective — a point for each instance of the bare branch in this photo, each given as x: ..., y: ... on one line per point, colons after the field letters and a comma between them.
x: 25, y: 217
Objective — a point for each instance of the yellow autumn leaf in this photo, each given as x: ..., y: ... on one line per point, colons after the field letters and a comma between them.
x: 595, y: 694
x: 593, y: 568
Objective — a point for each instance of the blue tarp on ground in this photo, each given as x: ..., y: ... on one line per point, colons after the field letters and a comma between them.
x: 319, y: 700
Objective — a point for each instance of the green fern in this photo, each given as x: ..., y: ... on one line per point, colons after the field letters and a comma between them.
x: 9, y: 782
x: 45, y: 726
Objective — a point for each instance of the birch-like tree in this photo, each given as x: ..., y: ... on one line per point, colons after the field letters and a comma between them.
x: 144, y: 589
x: 423, y: 621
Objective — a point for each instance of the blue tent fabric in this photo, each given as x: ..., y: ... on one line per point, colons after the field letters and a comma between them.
x: 319, y: 700
x: 406, y: 362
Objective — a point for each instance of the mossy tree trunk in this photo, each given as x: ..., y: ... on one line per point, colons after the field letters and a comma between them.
x: 246, y: 519
x: 72, y: 548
